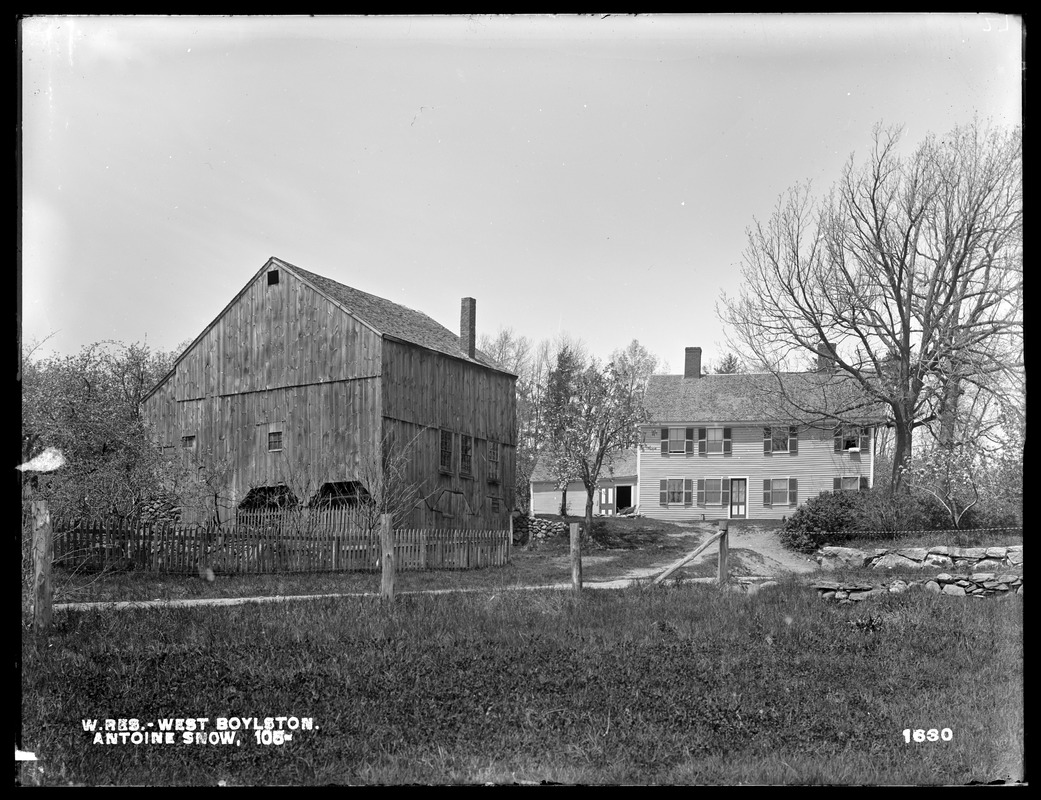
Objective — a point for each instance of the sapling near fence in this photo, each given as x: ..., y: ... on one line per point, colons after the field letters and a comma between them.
x: 271, y: 543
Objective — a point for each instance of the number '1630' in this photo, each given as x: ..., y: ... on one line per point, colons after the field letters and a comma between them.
x: 931, y: 735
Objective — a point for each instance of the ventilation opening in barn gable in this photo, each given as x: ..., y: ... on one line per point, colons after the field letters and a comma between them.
x: 272, y: 277
x: 269, y: 498
x: 341, y: 494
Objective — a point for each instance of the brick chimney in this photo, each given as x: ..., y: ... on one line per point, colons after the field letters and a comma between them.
x: 692, y: 362
x: 468, y: 326
x: 825, y: 358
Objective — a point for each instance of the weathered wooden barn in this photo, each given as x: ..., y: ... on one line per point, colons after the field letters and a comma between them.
x: 305, y: 386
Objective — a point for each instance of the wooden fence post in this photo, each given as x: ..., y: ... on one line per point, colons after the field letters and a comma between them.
x: 387, y: 557
x: 576, y: 558
x: 43, y: 553
x: 724, y: 551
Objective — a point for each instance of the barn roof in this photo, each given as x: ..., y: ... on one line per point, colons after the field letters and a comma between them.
x: 623, y: 465
x: 390, y: 318
x: 759, y: 397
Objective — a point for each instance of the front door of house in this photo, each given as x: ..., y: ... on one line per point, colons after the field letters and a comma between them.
x: 738, y: 487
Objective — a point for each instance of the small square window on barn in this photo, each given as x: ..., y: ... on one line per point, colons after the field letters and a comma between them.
x: 274, y: 441
x: 187, y: 442
x: 272, y: 277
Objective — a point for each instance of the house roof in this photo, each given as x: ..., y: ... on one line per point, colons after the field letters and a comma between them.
x: 759, y: 397
x: 623, y: 465
x: 391, y: 319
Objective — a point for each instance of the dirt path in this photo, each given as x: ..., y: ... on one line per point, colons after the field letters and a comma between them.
x: 756, y: 549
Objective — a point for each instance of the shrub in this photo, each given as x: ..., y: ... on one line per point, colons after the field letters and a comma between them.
x: 829, y: 517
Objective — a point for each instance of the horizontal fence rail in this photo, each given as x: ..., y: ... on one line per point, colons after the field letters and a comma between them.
x: 252, y: 544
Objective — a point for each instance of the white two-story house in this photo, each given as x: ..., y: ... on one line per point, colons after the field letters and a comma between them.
x: 728, y: 446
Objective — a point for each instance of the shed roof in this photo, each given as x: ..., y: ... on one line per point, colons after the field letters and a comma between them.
x: 623, y: 465
x: 760, y: 397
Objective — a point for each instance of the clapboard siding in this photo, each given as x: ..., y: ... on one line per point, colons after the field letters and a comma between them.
x: 815, y: 466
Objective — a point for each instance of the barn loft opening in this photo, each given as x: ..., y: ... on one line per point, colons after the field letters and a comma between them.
x: 269, y: 498
x: 272, y: 277
x: 341, y: 494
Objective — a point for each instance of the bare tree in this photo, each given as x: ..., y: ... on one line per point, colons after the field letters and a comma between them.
x: 594, y: 415
x: 906, y: 279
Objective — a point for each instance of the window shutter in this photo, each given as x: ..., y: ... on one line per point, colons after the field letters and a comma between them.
x: 837, y: 485
x: 663, y: 492
x: 863, y: 483
x: 865, y: 439
x: 838, y: 440
x: 767, y: 441
x: 793, y: 439
x: 726, y: 439
x: 702, y: 450
x: 690, y: 440
x: 766, y: 492
x: 793, y: 491
x: 688, y: 490
x: 664, y: 441
x: 725, y: 486
x: 701, y: 491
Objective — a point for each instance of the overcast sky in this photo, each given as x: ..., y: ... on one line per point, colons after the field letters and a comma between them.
x: 580, y: 175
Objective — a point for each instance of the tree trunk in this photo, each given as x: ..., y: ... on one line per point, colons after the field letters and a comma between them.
x: 563, y: 501
x: 589, y: 511
x: 901, y: 450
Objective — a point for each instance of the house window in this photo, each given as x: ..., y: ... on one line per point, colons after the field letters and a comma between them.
x: 466, y: 455
x: 676, y: 491
x: 493, y: 462
x: 780, y: 491
x: 446, y: 451
x: 854, y: 483
x: 677, y: 440
x: 852, y: 438
x: 274, y: 441
x: 187, y: 442
x: 713, y: 491
x: 714, y: 440
x: 781, y: 439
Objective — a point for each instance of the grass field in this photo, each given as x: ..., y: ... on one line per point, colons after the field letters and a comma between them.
x: 678, y: 685
x: 688, y: 684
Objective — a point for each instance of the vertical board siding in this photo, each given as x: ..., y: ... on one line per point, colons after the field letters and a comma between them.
x: 286, y: 358
x: 814, y: 466
x: 424, y: 392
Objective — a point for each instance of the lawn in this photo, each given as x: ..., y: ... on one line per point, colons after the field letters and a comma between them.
x: 685, y: 684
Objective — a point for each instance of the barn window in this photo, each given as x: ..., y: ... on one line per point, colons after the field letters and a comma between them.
x: 495, y: 504
x: 187, y: 442
x: 272, y: 277
x: 274, y: 441
x: 446, y: 451
x: 466, y: 455
x: 493, y: 462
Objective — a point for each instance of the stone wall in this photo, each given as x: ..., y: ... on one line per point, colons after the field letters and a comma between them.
x: 974, y: 559
x: 980, y: 584
x: 527, y: 529
x: 985, y: 571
